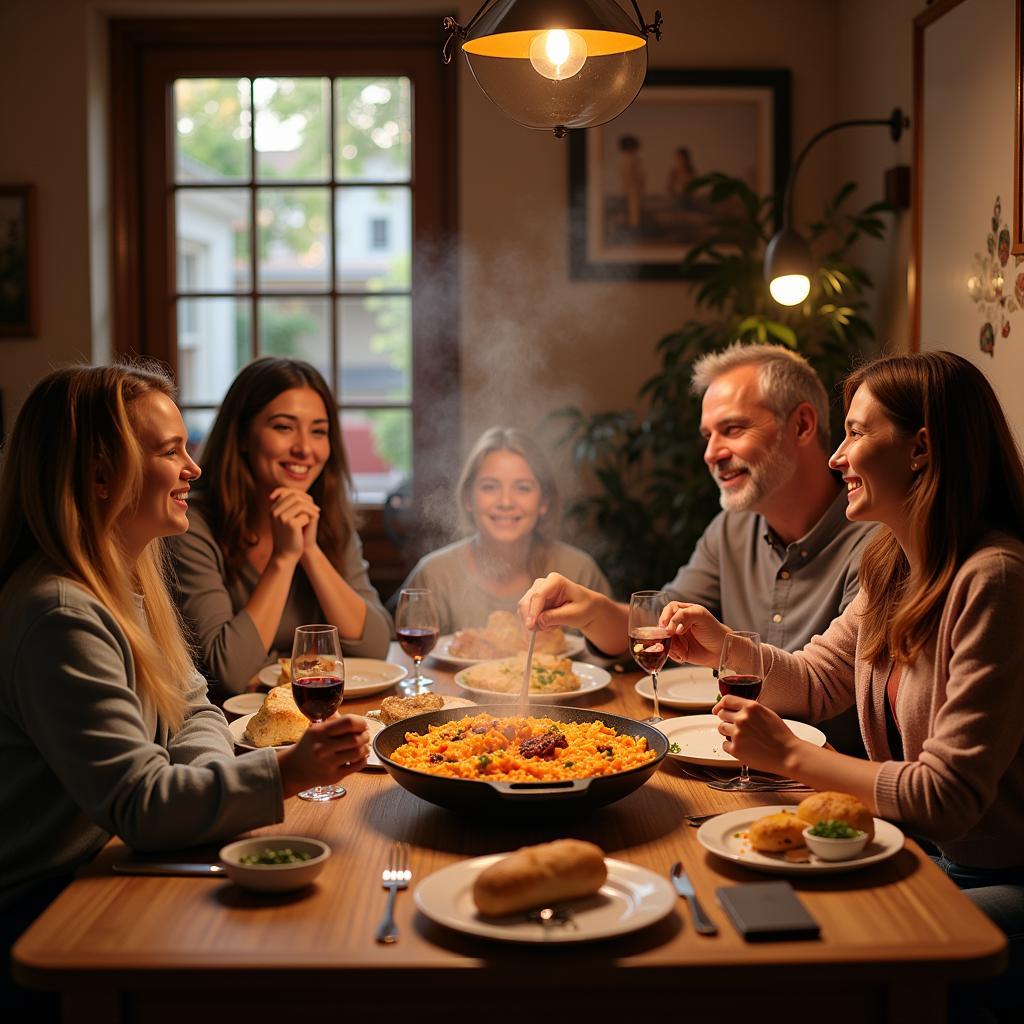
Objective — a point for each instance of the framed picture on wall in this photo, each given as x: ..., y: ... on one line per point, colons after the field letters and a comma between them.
x: 631, y: 215
x: 19, y: 299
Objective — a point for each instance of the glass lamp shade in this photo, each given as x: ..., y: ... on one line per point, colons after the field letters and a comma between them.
x: 557, y: 64
x: 788, y: 267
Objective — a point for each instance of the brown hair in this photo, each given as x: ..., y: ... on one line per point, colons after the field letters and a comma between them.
x: 508, y: 439
x: 76, y: 422
x: 972, y: 482
x: 228, y: 487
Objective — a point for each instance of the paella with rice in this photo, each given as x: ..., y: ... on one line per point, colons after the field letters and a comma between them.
x: 521, y: 749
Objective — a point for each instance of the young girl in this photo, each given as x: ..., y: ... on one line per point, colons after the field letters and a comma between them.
x: 508, y: 499
x: 105, y: 728
x: 272, y: 542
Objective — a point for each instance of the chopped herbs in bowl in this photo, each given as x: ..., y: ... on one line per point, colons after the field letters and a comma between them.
x: 834, y: 840
x: 274, y: 863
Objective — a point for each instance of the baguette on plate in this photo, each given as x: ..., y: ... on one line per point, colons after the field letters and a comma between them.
x: 538, y: 876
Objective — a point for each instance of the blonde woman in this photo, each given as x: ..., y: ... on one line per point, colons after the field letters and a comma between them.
x: 105, y: 727
x: 508, y: 503
x: 272, y: 542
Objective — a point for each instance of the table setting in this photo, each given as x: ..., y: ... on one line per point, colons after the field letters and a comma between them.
x: 404, y: 851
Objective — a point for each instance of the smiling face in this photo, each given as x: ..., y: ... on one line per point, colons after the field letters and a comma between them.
x: 877, y: 463
x: 167, y: 470
x: 747, y: 451
x: 288, y: 441
x: 505, y: 500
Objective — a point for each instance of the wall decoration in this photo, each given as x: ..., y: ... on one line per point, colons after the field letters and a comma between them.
x: 630, y: 213
x: 19, y: 298
x: 965, y: 55
x: 988, y: 287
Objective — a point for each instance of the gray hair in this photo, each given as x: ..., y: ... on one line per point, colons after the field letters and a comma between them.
x: 785, y: 377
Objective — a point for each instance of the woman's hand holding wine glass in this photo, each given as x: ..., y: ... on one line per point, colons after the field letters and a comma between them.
x: 741, y: 674
x: 318, y: 685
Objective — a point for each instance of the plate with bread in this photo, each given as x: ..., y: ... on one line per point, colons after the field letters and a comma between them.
x: 565, y: 891
x: 552, y: 679
x: 695, y: 739
x: 502, y: 637
x: 774, y: 838
x: 363, y: 676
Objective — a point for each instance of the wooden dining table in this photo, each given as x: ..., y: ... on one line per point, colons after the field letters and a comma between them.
x: 120, y: 948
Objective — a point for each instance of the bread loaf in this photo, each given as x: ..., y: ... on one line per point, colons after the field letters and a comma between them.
x: 776, y: 832
x: 278, y: 721
x: 538, y: 876
x: 830, y: 806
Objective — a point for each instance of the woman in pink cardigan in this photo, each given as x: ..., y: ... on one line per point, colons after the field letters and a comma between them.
x: 932, y: 650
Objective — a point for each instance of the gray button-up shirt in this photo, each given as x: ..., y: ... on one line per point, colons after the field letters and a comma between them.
x: 746, y: 576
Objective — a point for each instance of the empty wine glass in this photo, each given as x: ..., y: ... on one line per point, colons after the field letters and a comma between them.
x: 318, y: 685
x: 741, y: 674
x: 648, y: 639
x: 417, y: 626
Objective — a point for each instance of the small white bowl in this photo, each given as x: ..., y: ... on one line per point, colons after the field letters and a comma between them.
x: 275, y: 877
x: 835, y: 849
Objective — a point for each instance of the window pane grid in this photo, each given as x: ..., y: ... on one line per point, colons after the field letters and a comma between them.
x: 366, y: 352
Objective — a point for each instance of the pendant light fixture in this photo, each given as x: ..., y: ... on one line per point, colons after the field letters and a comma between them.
x: 788, y: 264
x: 556, y: 64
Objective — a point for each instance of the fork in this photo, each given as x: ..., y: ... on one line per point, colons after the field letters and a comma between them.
x: 734, y: 785
x: 394, y: 877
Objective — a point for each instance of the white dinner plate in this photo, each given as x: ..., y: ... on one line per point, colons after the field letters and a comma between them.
x: 574, y: 644
x: 238, y: 727
x: 591, y: 679
x: 363, y: 676
x: 244, y: 703
x: 700, y: 742
x: 723, y: 835
x: 690, y: 687
x: 630, y: 899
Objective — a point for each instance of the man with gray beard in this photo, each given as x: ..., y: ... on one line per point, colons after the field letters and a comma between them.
x: 781, y: 558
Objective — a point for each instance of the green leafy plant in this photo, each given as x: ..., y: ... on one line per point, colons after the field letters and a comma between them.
x: 654, y: 495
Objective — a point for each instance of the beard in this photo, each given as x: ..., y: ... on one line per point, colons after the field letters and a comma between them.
x: 767, y: 475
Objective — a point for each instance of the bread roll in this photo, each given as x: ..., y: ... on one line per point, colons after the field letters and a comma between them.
x: 538, y: 876
x: 776, y: 832
x: 397, y: 709
x: 278, y: 721
x: 830, y: 806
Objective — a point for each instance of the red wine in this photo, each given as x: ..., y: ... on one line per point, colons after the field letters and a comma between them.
x: 740, y: 686
x: 318, y: 697
x: 649, y: 647
x: 417, y: 642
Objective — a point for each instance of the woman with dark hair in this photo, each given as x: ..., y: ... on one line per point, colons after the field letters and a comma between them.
x: 507, y: 503
x: 272, y: 542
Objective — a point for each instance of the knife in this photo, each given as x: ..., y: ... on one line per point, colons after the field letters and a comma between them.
x: 701, y: 922
x: 130, y: 867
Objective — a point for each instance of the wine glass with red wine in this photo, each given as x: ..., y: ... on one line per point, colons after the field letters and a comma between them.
x: 648, y: 639
x: 417, y: 626
x: 741, y: 674
x: 318, y: 685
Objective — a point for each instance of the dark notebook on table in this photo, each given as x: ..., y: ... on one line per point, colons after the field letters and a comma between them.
x: 763, y: 911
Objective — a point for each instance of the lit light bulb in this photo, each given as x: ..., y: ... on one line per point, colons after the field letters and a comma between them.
x: 790, y: 289
x: 557, y: 54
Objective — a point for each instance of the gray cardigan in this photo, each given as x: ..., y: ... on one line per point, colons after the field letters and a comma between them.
x: 215, y: 609
x: 84, y: 757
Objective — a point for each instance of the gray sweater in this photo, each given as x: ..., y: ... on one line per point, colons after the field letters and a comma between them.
x: 462, y: 603
x: 84, y: 757
x: 215, y: 609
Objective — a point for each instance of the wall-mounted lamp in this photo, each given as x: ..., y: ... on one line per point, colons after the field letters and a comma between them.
x: 556, y: 64
x: 788, y: 264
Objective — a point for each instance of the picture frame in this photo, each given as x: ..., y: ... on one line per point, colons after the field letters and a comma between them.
x: 19, y: 293
x: 630, y: 216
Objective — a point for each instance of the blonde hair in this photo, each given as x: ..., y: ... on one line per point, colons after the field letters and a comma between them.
x: 508, y: 439
x: 785, y: 377
x: 77, y: 424
x: 972, y: 482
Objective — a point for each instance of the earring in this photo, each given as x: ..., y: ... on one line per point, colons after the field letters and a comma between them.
x: 915, y: 466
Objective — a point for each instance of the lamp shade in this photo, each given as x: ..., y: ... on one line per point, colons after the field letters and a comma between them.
x: 557, y: 64
x: 788, y: 267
